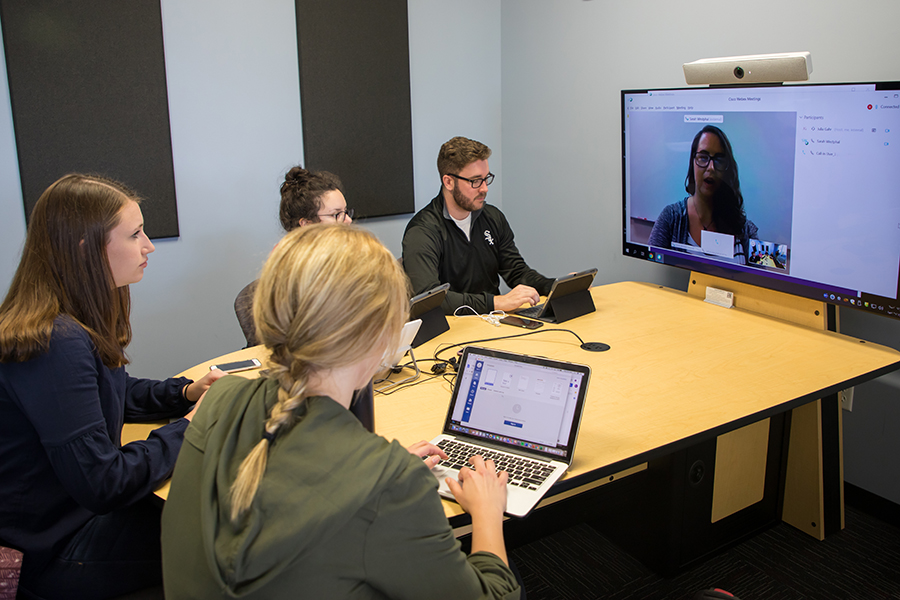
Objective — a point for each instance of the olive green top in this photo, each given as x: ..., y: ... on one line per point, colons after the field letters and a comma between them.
x: 340, y: 512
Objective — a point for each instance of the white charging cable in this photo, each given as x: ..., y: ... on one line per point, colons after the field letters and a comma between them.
x: 492, y: 317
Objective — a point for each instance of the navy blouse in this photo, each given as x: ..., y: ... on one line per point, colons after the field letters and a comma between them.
x: 61, y: 456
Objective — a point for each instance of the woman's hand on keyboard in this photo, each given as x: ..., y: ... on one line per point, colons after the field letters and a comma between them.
x: 482, y: 491
x: 431, y: 454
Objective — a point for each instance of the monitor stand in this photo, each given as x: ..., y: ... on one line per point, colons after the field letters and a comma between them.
x: 814, y: 481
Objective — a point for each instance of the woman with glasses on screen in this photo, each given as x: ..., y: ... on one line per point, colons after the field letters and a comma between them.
x: 715, y: 202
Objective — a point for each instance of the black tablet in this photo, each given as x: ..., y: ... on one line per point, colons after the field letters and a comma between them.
x: 427, y: 306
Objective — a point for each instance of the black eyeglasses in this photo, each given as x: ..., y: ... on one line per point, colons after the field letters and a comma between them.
x: 476, y: 181
x: 340, y: 216
x: 720, y: 163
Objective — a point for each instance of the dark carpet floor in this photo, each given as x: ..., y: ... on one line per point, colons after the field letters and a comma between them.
x: 861, y: 562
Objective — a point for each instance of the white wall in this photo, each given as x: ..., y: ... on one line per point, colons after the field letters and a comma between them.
x: 564, y: 63
x: 454, y: 50
x: 234, y: 106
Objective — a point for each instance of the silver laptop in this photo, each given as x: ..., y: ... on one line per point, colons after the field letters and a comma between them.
x: 521, y: 411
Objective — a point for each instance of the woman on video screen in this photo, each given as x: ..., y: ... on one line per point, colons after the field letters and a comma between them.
x: 715, y: 202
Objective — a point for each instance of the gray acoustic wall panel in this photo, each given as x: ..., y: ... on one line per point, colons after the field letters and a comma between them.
x: 355, y: 100
x: 87, y: 85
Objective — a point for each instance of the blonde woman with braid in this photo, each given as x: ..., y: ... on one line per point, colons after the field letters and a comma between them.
x: 279, y: 491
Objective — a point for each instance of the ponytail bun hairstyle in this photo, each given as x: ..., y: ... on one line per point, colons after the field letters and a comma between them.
x: 301, y: 195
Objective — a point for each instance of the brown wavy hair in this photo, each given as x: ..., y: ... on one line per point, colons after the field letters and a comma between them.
x: 458, y: 152
x: 64, y: 270
x: 301, y: 195
x: 329, y: 294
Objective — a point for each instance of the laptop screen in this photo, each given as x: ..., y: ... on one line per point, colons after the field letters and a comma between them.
x: 522, y: 402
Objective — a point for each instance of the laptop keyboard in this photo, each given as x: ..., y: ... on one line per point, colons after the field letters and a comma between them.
x: 531, y: 311
x: 523, y: 472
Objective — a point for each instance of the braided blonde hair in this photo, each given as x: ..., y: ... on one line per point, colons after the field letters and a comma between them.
x: 328, y: 295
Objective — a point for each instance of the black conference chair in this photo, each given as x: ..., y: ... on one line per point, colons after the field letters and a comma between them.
x: 243, y: 309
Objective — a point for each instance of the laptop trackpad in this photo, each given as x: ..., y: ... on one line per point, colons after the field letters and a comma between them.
x: 443, y: 474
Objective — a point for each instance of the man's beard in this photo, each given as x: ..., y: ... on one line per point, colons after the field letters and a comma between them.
x: 464, y: 203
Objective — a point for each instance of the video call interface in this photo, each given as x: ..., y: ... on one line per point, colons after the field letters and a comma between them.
x: 512, y: 403
x: 817, y: 169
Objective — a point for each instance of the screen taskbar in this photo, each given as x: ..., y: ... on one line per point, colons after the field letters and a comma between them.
x: 791, y: 285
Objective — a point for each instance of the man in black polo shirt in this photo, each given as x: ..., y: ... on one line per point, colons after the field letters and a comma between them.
x: 461, y: 240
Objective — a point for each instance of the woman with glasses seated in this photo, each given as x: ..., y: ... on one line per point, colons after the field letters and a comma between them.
x: 312, y: 197
x: 279, y: 492
x: 715, y: 202
x: 306, y: 197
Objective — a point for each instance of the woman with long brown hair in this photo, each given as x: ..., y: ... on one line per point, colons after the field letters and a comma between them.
x: 715, y: 203
x: 72, y: 497
x: 280, y: 492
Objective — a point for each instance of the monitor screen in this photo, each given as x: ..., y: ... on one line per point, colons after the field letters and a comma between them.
x: 790, y: 187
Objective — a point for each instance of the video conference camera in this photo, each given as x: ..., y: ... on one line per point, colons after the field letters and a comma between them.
x: 756, y: 68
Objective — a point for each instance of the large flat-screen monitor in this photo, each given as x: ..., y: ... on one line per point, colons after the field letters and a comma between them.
x: 814, y: 168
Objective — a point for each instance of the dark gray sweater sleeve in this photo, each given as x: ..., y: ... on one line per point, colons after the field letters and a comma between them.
x: 422, y: 254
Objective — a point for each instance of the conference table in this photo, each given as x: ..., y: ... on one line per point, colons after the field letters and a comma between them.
x: 692, y: 402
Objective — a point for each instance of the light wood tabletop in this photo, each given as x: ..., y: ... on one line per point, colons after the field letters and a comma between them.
x: 678, y: 370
